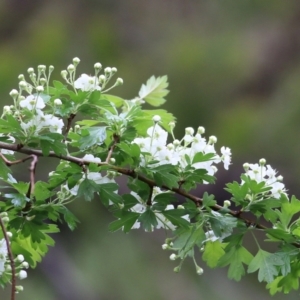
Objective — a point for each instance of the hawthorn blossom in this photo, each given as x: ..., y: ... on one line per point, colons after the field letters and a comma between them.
x: 87, y: 83
x: 32, y: 102
x: 3, y: 255
x: 267, y: 174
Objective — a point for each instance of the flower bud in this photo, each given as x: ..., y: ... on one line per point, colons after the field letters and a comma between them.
x: 30, y: 70
x: 226, y: 203
x: 119, y: 81
x: 5, y: 220
x: 14, y: 93
x: 23, y: 84
x: 246, y: 166
x: 3, y: 214
x: 279, y: 178
x: 76, y: 127
x: 21, y: 77
x: 176, y: 269
x: 165, y: 246
x: 189, y: 130
x: 25, y: 264
x: 20, y: 258
x: 176, y: 143
x: 41, y: 68
x: 172, y: 124
x: 107, y: 70
x: 156, y: 118
x: 180, y: 207
x: 199, y: 270
x: 9, y: 234
x: 57, y: 102
x: 76, y: 61
x: 201, y: 130
x: 51, y: 68
x: 102, y: 79
x: 43, y: 81
x: 212, y: 139
x: 97, y: 66
x: 6, y: 109
x: 64, y: 74
x: 71, y: 68
x: 114, y: 70
x: 22, y: 274
x: 112, y: 160
x: 262, y: 161
x: 19, y: 288
x: 39, y: 88
x: 173, y: 256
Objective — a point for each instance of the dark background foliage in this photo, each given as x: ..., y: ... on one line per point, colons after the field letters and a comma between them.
x: 233, y: 67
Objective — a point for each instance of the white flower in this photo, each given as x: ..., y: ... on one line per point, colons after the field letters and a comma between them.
x: 226, y: 156
x: 2, y: 266
x: 91, y: 158
x: 22, y: 274
x: 3, y: 248
x: 87, y: 83
x: 32, y: 102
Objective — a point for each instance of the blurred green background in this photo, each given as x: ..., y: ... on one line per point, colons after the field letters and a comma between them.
x: 233, y: 67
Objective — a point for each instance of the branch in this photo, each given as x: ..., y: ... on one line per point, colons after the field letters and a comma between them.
x: 131, y: 173
x: 70, y: 119
x: 112, y: 147
x: 11, y: 259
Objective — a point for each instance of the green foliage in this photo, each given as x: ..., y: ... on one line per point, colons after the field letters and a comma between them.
x: 118, y: 137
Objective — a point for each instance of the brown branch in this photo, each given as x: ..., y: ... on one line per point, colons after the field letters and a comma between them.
x: 32, y: 173
x: 149, y: 201
x: 69, y: 124
x: 131, y: 173
x: 112, y: 147
x: 11, y: 259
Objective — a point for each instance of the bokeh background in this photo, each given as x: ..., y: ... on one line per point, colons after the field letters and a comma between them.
x: 233, y: 67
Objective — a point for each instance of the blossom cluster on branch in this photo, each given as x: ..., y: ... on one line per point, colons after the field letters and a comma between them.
x: 117, y: 137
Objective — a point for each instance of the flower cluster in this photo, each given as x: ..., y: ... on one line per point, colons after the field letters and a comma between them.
x: 265, y: 173
x: 88, y: 83
x: 154, y: 147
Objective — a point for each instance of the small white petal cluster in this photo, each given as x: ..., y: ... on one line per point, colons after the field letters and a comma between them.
x: 175, y: 153
x: 3, y: 255
x: 87, y: 83
x: 267, y: 174
x: 41, y: 121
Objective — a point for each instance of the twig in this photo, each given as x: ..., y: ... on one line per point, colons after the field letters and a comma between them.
x: 149, y: 201
x: 32, y: 172
x: 11, y: 259
x: 69, y: 124
x: 112, y: 147
x: 128, y: 172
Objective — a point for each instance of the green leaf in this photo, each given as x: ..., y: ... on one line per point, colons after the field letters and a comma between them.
x: 69, y: 217
x: 175, y: 217
x: 127, y: 220
x: 154, y: 91
x: 148, y: 220
x: 213, y: 251
x: 41, y: 191
x: 208, y: 200
x: 129, y: 201
x: 87, y: 188
x: 266, y: 269
x: 93, y: 136
x: 222, y: 224
x: 52, y: 141
x: 201, y: 157
x: 107, y: 193
x: 117, y: 101
x: 235, y: 258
